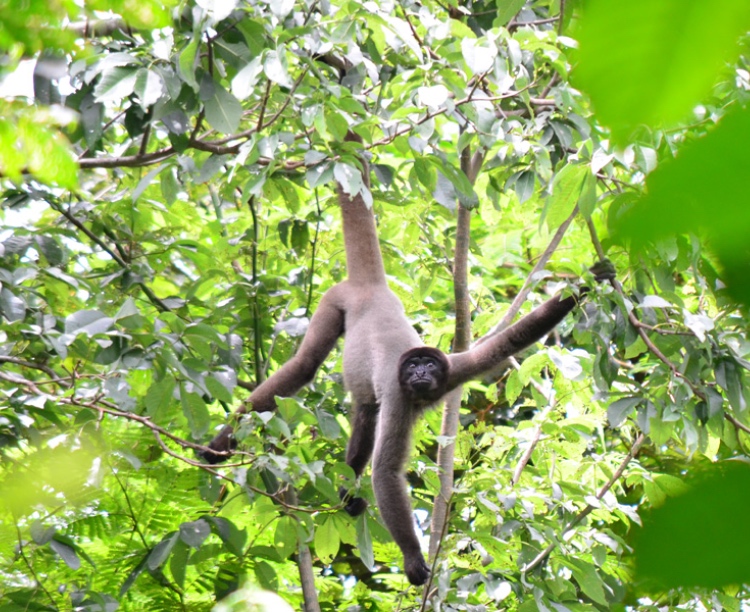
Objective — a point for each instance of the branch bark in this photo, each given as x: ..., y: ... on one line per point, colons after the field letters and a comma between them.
x: 461, y: 342
x: 536, y: 561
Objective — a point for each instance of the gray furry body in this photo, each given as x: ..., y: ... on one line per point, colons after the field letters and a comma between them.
x: 377, y: 334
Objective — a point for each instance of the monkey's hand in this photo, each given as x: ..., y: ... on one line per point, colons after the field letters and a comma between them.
x: 354, y: 505
x: 603, y: 270
x: 416, y: 570
x: 221, y: 447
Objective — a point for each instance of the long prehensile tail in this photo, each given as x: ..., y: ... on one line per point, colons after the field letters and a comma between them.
x: 364, y: 262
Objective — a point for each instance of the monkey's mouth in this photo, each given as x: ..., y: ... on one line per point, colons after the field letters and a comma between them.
x: 422, y: 385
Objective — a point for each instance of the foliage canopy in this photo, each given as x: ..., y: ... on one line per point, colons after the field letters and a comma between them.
x: 169, y: 225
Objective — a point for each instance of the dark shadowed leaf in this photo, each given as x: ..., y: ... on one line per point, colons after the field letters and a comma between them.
x: 699, y: 538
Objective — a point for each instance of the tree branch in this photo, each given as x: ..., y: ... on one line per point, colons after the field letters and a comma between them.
x: 589, y: 508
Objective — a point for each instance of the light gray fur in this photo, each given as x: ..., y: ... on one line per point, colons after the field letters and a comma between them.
x: 377, y: 333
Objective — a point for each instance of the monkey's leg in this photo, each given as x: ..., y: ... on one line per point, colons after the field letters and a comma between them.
x: 326, y: 326
x: 388, y: 482
x: 359, y: 451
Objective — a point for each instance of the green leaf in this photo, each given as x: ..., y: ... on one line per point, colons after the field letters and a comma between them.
x: 116, y: 84
x: 160, y: 552
x: 218, y: 390
x: 149, y: 87
x: 328, y: 424
x: 327, y: 540
x: 66, y: 553
x: 196, y: 413
x: 650, y: 63
x: 729, y: 377
x: 364, y: 541
x: 692, y: 540
x: 133, y: 575
x: 187, y: 64
x: 587, y: 578
x: 233, y: 538
x: 51, y: 250
x: 178, y: 562
x: 12, y: 307
x: 621, y: 409
x: 195, y: 532
x: 285, y: 536
x: 506, y: 10
x: 568, y: 187
x: 223, y: 111
x: 159, y: 397
x: 513, y: 386
x: 275, y: 67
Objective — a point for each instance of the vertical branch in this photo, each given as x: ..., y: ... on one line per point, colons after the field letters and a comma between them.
x: 461, y: 342
x: 312, y: 258
x: 259, y: 374
x: 304, y: 563
x: 541, y: 262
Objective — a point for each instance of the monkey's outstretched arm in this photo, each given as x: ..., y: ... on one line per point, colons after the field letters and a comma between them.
x: 491, y: 350
x: 522, y: 334
x: 326, y: 326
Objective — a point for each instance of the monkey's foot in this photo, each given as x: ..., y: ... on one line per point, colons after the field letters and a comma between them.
x: 354, y: 505
x: 416, y: 570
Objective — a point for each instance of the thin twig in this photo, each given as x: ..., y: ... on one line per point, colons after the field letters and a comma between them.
x: 589, y: 507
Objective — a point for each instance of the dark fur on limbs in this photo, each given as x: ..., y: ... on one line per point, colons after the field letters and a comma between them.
x: 379, y: 343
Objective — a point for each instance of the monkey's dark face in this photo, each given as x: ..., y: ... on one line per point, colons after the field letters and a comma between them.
x: 423, y: 373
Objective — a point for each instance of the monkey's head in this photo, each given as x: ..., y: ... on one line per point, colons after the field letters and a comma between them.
x: 423, y: 374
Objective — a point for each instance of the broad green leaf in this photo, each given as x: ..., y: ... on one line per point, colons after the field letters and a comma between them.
x: 196, y: 413
x: 506, y: 10
x: 218, y: 390
x: 285, y: 536
x: 650, y: 63
x: 178, y: 562
x: 12, y: 307
x: 162, y: 550
x: 223, y: 111
x: 587, y: 578
x: 691, y: 539
x: 326, y: 540
x: 275, y: 67
x: 187, y: 64
x: 66, y: 553
x: 233, y: 538
x: 159, y: 397
x: 195, y: 532
x: 149, y: 87
x: 116, y: 84
x: 621, y: 409
x: 364, y: 541
x: 568, y: 187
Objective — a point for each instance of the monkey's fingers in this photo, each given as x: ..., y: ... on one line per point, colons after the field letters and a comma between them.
x: 354, y: 505
x: 221, y: 447
x: 416, y: 570
x: 603, y: 270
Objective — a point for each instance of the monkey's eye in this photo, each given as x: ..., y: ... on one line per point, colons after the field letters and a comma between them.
x: 430, y: 365
x: 412, y: 365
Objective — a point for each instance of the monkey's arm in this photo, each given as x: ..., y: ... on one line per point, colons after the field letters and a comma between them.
x: 491, y: 350
x: 326, y: 326
x: 522, y: 334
